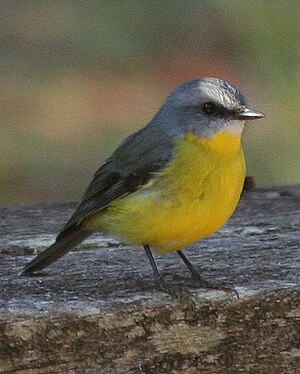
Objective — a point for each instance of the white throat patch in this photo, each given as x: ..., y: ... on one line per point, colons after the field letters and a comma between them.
x: 234, y: 127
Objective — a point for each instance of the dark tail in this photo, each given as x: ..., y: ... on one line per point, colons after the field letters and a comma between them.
x: 64, y: 243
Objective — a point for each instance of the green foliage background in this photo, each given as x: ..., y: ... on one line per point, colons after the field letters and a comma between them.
x: 78, y: 76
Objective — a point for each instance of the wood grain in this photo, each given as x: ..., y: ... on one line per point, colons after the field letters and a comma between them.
x: 97, y: 309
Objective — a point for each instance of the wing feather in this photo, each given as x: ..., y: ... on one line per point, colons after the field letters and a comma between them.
x: 127, y: 170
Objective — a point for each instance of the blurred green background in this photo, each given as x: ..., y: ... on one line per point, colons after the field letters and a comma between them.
x: 77, y: 76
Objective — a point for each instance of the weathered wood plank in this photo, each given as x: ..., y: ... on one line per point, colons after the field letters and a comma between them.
x: 97, y: 309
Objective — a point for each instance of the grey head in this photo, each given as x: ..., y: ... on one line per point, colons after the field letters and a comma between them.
x: 204, y: 107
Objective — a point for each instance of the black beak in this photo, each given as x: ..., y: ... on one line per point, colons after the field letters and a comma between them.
x: 247, y: 113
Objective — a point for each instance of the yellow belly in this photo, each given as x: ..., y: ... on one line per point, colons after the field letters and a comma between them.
x: 188, y: 201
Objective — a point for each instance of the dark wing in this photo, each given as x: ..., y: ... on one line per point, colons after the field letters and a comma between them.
x: 129, y: 168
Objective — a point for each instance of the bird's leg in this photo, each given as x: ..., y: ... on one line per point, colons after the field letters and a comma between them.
x: 158, y: 278
x: 228, y: 287
x: 173, y: 291
x: 195, y: 273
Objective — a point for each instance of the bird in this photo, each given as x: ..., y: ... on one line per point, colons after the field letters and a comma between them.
x: 170, y: 184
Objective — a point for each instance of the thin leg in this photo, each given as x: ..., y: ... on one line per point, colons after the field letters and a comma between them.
x: 158, y: 278
x: 202, y: 282
x: 195, y: 273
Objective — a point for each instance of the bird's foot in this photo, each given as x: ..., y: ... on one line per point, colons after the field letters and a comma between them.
x: 175, y: 292
x: 203, y: 283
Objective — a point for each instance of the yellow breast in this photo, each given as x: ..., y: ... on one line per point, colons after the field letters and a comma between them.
x: 189, y: 200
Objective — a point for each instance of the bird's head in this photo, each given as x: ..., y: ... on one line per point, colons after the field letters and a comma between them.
x: 209, y: 106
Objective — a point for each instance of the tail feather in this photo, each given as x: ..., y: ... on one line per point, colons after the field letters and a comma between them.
x: 63, y: 244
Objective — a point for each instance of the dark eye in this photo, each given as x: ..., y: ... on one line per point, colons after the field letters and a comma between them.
x: 209, y: 108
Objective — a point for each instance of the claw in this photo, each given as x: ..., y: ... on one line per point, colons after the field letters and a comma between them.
x: 196, y: 275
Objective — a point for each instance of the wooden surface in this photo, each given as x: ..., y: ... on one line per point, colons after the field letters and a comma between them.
x: 97, y: 310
